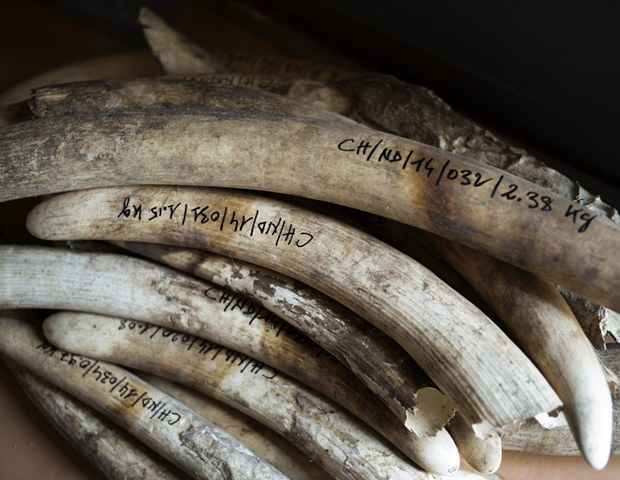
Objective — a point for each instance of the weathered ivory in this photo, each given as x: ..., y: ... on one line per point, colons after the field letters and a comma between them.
x: 447, y: 336
x: 122, y: 66
x: 313, y: 154
x: 263, y: 441
x: 114, y: 453
x: 530, y: 437
x: 156, y: 419
x: 121, y: 286
x: 588, y: 402
x: 336, y: 441
x: 416, y: 112
x: 533, y: 310
x: 354, y: 342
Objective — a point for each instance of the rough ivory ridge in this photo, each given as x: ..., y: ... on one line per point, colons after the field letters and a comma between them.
x: 132, y: 396
x: 203, y: 215
x: 255, y: 311
x: 203, y: 347
x: 436, y: 173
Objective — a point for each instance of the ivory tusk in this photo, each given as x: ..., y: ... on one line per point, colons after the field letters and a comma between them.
x: 114, y: 453
x: 263, y: 441
x: 417, y: 113
x: 234, y: 150
x: 161, y: 422
x: 533, y: 310
x: 175, y: 52
x: 344, y: 447
x: 530, y: 437
x: 179, y: 56
x: 354, y: 342
x: 173, y: 300
x: 430, y: 320
x: 543, y: 325
x: 537, y: 317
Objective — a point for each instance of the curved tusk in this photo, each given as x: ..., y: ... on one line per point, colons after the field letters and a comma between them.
x: 460, y: 349
x: 416, y: 112
x: 336, y: 441
x: 354, y: 342
x: 160, y: 421
x: 172, y: 300
x: 530, y: 437
x: 313, y: 155
x: 263, y: 441
x: 533, y: 310
x: 543, y: 325
x: 114, y: 453
x: 535, y: 313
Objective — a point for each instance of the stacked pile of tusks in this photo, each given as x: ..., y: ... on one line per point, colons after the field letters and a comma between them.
x: 365, y: 362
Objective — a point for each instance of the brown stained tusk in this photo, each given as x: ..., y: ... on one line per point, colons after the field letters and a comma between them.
x: 161, y: 422
x: 354, y: 342
x: 263, y: 441
x: 122, y: 66
x: 172, y: 300
x: 109, y: 449
x: 495, y: 383
x: 321, y: 156
x: 530, y: 437
x: 173, y: 50
x: 417, y: 113
x: 336, y: 441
